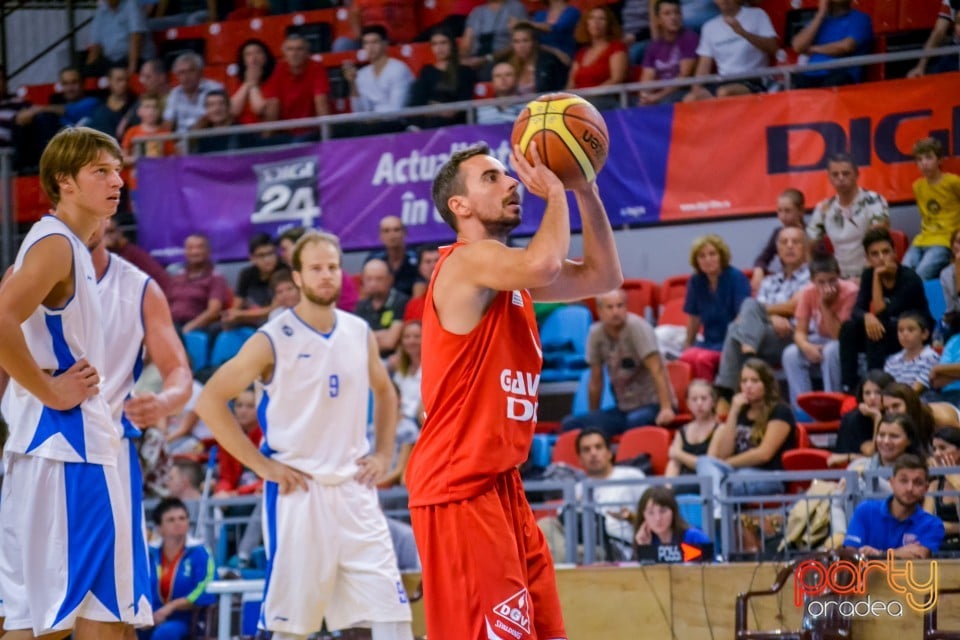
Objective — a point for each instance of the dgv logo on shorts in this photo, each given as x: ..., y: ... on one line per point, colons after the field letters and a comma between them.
x: 516, y: 610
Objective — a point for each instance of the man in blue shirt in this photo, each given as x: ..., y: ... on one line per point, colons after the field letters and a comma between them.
x: 836, y: 31
x: 898, y: 522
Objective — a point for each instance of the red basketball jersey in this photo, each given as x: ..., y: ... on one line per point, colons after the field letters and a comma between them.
x: 480, y: 397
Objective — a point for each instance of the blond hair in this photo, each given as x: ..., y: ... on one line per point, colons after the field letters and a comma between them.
x: 718, y: 244
x: 68, y: 152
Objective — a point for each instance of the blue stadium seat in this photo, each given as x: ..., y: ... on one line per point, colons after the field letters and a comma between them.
x: 564, y: 337
x: 935, y: 299
x: 228, y: 344
x: 197, y: 344
x: 581, y: 398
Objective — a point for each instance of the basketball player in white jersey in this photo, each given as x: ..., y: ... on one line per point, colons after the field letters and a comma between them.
x: 136, y: 315
x: 63, y: 563
x: 329, y: 549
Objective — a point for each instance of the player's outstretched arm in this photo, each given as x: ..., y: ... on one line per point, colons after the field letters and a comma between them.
x: 255, y: 360
x: 599, y: 271
x: 166, y: 351
x: 374, y: 467
x: 45, y: 276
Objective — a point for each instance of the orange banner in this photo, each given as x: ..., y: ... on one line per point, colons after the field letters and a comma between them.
x: 735, y: 156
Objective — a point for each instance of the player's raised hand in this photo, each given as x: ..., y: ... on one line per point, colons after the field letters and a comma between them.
x: 287, y: 478
x: 537, y: 177
x: 73, y: 386
x: 373, y: 469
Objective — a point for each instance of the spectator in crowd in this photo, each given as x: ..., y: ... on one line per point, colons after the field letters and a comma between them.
x: 488, y: 31
x: 149, y: 125
x: 897, y: 523
x: 12, y: 135
x: 938, y: 197
x: 887, y: 289
x: 153, y: 81
x: 178, y: 13
x: 285, y: 293
x: 504, y: 82
x: 739, y: 40
x: 790, y: 214
x: 234, y: 479
x: 348, y: 289
x: 836, y: 31
x: 427, y: 257
x: 401, y: 260
x: 382, y: 305
x: 671, y: 55
x: 693, y: 439
x: 926, y: 416
x: 945, y: 25
x: 185, y: 104
x: 538, y: 70
x: 855, y: 437
x: 764, y: 326
x: 381, y: 86
x: 946, y: 453
x: 950, y: 322
x: 254, y: 299
x: 555, y: 26
x: 184, y: 480
x: 255, y: 64
x: 199, y: 294
x: 446, y: 80
x: 715, y: 293
x: 399, y: 17
x: 822, y: 308
x: 406, y: 377
x: 845, y: 217
x: 70, y: 107
x: 913, y: 363
x: 623, y: 344
x: 601, y: 59
x: 118, y: 243
x: 180, y: 571
x: 118, y: 37
x: 638, y: 29
x: 298, y: 87
x: 216, y: 115
x: 659, y: 521
x: 186, y: 433
x: 615, y: 539
x: 945, y: 376
x: 108, y: 114
x: 758, y: 429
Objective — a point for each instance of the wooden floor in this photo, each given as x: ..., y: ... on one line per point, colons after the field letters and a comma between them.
x: 693, y: 602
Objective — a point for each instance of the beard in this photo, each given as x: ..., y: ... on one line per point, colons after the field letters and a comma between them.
x: 321, y: 300
x: 502, y: 227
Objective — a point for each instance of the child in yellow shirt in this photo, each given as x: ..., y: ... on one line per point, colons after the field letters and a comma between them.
x: 938, y: 197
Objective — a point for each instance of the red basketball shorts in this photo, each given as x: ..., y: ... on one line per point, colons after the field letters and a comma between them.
x: 487, y: 570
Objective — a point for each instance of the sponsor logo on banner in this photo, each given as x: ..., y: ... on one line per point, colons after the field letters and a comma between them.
x: 287, y: 191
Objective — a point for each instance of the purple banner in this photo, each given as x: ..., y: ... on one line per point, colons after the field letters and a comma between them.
x: 347, y: 186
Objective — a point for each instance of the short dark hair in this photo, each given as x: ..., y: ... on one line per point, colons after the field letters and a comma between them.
x: 592, y: 431
x: 165, y: 505
x: 449, y: 182
x: 917, y: 317
x: 928, y: 145
x: 660, y: 3
x: 875, y: 235
x: 220, y: 93
x: 279, y: 277
x: 292, y: 234
x: 910, y: 461
x: 842, y: 157
x: 425, y: 248
x: 378, y: 29
x: 258, y: 240
x: 822, y: 262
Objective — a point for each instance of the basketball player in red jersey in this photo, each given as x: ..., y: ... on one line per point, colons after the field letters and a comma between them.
x: 487, y: 571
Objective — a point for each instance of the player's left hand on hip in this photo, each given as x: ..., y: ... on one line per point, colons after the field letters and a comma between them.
x: 373, y: 469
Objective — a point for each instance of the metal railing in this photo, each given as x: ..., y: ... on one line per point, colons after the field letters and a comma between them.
x: 623, y: 93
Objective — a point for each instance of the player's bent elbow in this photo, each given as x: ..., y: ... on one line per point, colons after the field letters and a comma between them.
x: 544, y: 271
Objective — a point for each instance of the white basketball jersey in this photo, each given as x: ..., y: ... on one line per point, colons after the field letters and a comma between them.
x: 122, y: 289
x: 313, y: 411
x: 57, y: 338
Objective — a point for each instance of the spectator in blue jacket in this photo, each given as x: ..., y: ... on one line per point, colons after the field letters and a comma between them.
x: 836, y: 31
x: 180, y: 571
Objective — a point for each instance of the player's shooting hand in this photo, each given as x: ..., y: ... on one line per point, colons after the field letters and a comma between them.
x: 287, y: 478
x: 537, y: 177
x: 73, y: 386
x: 145, y: 410
x: 373, y: 469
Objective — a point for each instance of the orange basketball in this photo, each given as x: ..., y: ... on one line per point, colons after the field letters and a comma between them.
x: 570, y: 133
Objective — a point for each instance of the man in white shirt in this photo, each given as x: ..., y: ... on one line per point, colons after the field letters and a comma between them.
x: 739, y: 40
x: 383, y: 85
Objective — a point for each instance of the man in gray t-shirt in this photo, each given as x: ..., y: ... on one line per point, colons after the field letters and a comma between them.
x: 488, y: 30
x: 624, y: 344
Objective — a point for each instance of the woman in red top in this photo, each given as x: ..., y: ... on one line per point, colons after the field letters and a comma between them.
x: 254, y: 65
x: 602, y: 58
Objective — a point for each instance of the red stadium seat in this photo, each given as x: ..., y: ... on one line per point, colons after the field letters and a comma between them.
x: 674, y: 287
x: 565, y: 449
x: 804, y: 460
x: 802, y: 438
x: 822, y: 406
x: 672, y: 313
x: 641, y: 296
x: 654, y: 441
x: 900, y: 243
x: 918, y: 14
